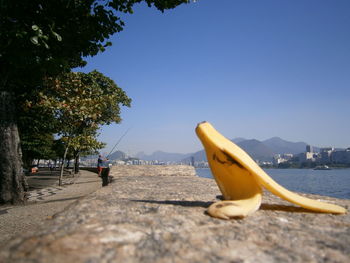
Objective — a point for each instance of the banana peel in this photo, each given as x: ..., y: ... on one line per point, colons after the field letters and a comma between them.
x: 241, y: 180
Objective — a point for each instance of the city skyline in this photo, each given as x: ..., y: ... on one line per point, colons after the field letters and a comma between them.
x: 312, y: 148
x: 254, y: 69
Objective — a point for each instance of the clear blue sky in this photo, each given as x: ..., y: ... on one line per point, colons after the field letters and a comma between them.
x: 254, y: 69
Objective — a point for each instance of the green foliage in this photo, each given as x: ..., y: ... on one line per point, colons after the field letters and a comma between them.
x: 36, y: 131
x: 59, y: 147
x: 79, y: 101
x: 86, y: 144
x: 74, y: 105
x: 41, y: 38
x: 37, y: 146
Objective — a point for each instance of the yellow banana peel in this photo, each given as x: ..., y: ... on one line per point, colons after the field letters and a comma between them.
x: 240, y: 179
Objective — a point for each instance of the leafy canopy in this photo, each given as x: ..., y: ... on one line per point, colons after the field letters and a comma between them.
x: 79, y: 101
x: 73, y: 106
x: 45, y: 38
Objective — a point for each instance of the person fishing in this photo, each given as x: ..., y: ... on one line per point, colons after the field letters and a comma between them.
x: 103, y: 168
x: 103, y: 164
x: 99, y: 165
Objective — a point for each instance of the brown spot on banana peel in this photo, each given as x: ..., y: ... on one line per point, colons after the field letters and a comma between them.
x: 229, y: 160
x: 215, y: 158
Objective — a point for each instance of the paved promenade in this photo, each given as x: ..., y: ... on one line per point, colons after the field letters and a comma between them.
x: 46, y: 199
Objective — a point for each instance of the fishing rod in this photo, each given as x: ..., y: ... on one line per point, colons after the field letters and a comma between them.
x: 127, y: 131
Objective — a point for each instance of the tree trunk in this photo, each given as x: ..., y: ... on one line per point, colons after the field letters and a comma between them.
x: 62, y: 164
x: 76, y: 163
x: 12, y: 180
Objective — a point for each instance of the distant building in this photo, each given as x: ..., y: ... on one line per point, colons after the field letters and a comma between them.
x: 192, y: 161
x: 341, y: 156
x: 325, y: 154
x: 287, y: 156
x: 277, y: 159
x: 201, y: 164
x: 306, y: 157
x: 282, y: 158
x: 309, y: 149
x: 265, y: 163
x: 119, y: 162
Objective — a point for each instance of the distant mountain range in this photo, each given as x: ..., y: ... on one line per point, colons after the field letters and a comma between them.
x: 117, y: 155
x: 258, y: 150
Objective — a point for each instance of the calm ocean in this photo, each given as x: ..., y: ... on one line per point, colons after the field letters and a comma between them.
x: 334, y: 183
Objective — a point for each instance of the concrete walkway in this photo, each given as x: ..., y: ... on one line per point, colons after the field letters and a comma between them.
x: 46, y: 199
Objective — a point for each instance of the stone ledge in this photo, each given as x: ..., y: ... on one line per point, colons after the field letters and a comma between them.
x: 143, y: 218
x: 153, y: 170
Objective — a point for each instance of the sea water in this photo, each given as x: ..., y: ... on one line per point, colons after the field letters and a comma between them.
x: 334, y: 183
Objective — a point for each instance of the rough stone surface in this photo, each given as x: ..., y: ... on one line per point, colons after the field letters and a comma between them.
x: 45, y: 200
x: 141, y: 218
x: 152, y: 170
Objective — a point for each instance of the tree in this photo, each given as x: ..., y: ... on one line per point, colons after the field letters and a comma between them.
x: 40, y: 39
x: 36, y: 130
x: 37, y: 146
x: 80, y: 102
x: 85, y: 144
x: 59, y: 149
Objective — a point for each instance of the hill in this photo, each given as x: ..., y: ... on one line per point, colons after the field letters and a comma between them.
x: 118, y: 155
x: 258, y: 150
x: 278, y: 145
x: 262, y: 150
